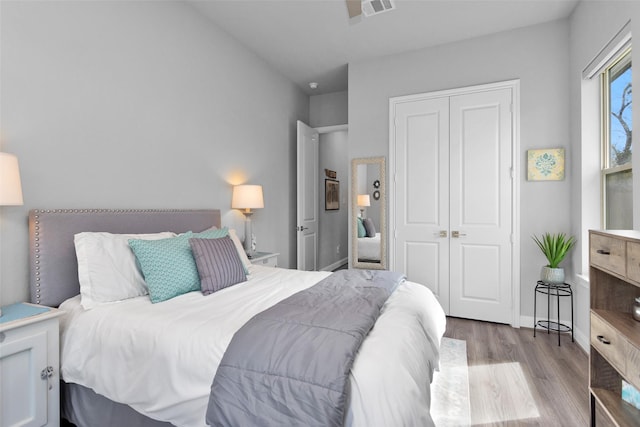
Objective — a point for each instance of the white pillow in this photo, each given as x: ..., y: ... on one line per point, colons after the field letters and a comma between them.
x: 107, y: 267
x: 243, y: 255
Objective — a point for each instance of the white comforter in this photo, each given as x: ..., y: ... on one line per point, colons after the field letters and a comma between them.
x: 369, y: 248
x: 161, y: 358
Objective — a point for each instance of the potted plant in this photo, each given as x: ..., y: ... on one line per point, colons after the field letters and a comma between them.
x: 555, y: 248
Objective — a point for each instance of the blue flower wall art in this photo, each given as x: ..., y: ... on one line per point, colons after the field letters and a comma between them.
x: 545, y: 165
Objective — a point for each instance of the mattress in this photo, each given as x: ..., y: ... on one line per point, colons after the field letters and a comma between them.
x: 160, y: 359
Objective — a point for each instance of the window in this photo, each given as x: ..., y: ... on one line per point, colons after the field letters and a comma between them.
x: 617, y: 196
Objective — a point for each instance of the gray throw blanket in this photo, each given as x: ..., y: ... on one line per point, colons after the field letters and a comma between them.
x: 290, y: 364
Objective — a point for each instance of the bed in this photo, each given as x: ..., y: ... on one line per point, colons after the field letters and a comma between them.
x: 136, y: 363
x: 369, y: 248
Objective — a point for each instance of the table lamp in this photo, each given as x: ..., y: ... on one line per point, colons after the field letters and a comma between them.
x: 247, y: 197
x: 363, y: 201
x: 10, y: 187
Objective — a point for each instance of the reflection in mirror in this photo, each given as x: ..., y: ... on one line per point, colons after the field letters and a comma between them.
x: 368, y: 222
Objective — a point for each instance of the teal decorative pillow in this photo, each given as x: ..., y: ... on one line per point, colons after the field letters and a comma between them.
x: 212, y: 233
x: 168, y: 266
x: 362, y: 232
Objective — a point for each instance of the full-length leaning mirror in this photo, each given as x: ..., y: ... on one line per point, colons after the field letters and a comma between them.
x: 368, y: 213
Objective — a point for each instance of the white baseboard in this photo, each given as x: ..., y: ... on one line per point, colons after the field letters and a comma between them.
x: 580, y: 337
x: 335, y: 265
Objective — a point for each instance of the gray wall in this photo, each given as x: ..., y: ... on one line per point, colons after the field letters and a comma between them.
x: 593, y: 24
x: 334, y: 225
x: 539, y: 57
x: 328, y: 109
x: 133, y: 104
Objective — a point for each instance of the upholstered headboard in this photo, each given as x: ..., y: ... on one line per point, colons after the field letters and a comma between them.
x: 52, y: 258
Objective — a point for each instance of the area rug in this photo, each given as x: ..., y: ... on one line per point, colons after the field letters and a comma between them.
x: 450, y: 386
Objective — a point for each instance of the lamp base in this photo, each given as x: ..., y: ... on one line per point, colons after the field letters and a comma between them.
x: 248, y: 235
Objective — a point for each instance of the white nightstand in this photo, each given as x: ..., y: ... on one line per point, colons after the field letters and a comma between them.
x: 270, y: 259
x: 29, y: 366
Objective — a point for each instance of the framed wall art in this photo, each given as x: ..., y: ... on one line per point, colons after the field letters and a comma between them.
x: 331, y: 195
x: 545, y: 164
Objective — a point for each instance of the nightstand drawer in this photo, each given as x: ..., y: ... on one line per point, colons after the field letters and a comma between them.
x: 268, y: 259
x: 608, y: 253
x: 269, y: 262
x: 608, y: 342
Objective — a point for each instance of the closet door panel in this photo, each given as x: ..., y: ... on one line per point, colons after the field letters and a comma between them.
x: 480, y: 209
x: 421, y: 191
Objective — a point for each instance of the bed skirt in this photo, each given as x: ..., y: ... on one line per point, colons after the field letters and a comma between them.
x: 85, y: 408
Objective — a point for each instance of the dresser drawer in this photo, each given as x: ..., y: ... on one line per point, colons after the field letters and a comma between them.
x: 610, y: 344
x: 633, y: 261
x: 608, y: 253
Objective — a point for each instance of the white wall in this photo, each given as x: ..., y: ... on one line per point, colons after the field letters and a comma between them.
x: 539, y: 57
x: 140, y: 104
x: 593, y: 25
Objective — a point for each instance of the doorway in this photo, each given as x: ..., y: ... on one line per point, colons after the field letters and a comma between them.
x: 322, y: 234
x: 454, y: 198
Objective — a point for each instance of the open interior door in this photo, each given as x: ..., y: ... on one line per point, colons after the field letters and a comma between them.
x: 307, y: 192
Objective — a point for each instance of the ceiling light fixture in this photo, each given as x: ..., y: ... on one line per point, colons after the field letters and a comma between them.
x: 313, y: 85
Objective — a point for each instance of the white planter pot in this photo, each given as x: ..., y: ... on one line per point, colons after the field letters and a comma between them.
x: 554, y: 276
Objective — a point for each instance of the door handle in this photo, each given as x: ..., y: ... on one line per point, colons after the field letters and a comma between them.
x: 442, y: 233
x: 455, y: 234
x: 301, y: 228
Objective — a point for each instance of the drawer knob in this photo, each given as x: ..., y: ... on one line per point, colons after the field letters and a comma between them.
x: 603, y: 252
x: 603, y: 340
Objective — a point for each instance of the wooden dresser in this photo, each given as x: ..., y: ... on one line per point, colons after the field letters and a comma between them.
x: 615, y: 336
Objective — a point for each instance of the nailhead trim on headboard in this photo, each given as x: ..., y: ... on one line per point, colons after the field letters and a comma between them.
x: 54, y: 211
x: 35, y: 238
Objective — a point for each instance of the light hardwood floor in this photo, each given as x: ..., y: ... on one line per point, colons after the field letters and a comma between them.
x: 504, y: 362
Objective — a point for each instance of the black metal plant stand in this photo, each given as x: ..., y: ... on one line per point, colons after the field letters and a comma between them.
x: 557, y: 290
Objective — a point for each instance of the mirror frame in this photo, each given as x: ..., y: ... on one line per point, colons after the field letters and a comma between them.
x: 383, y: 213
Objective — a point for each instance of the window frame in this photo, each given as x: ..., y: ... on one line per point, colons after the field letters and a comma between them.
x: 605, y: 120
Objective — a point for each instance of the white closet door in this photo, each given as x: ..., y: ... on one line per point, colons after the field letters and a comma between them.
x: 480, y: 188
x: 421, y: 194
x: 452, y: 199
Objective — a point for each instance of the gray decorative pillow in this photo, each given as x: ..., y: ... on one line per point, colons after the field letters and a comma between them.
x: 218, y: 263
x: 369, y: 227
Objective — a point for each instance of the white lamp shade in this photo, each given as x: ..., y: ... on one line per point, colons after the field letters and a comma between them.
x: 364, y: 200
x: 247, y: 197
x: 10, y: 187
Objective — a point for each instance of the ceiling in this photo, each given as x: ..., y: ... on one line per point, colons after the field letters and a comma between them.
x: 314, y: 40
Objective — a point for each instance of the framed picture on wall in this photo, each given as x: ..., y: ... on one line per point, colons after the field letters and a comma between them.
x: 545, y: 165
x: 331, y: 195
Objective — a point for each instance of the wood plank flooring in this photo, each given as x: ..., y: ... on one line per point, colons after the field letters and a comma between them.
x: 503, y: 361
